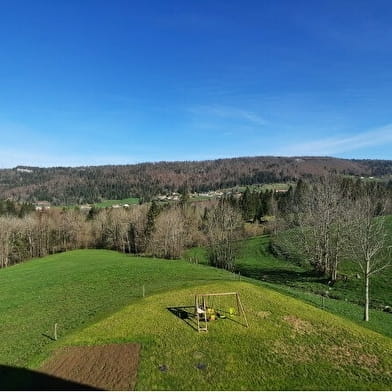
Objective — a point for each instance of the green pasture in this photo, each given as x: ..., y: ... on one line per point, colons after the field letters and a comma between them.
x: 74, y: 288
x: 109, y: 203
x: 256, y: 262
x: 289, y: 345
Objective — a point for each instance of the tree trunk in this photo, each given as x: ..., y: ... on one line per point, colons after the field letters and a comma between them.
x: 366, y: 310
x: 334, y: 274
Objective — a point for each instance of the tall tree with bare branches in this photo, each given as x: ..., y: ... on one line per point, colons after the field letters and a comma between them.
x: 223, y: 228
x: 316, y: 224
x: 370, y: 243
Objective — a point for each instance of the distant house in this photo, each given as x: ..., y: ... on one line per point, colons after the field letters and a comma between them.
x: 42, y: 205
x: 22, y: 170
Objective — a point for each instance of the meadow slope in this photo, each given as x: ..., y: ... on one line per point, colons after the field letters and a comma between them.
x: 344, y: 298
x: 74, y: 288
x: 288, y: 346
x: 95, y: 297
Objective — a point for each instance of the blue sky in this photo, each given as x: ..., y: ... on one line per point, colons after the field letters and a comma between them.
x: 98, y: 82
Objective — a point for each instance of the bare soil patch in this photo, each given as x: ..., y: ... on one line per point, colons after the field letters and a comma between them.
x: 108, y: 367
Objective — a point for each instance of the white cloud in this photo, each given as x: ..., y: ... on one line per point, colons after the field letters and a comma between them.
x: 335, y: 145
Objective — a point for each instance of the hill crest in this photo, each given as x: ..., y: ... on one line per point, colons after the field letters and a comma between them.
x: 88, y: 184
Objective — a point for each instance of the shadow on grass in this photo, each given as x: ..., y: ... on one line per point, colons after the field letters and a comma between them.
x: 281, y: 276
x: 21, y: 379
x: 186, y: 314
x: 48, y: 336
x: 189, y: 317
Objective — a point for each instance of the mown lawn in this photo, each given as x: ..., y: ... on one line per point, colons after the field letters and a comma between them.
x: 74, y: 288
x: 289, y: 345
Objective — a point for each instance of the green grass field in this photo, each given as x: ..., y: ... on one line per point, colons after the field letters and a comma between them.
x: 95, y: 296
x: 109, y: 203
x: 289, y: 345
x: 76, y: 287
x: 262, y: 187
x: 344, y: 298
x: 104, y: 204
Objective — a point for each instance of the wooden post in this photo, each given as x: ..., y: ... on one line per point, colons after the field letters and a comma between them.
x: 197, y: 312
x: 55, y: 331
x: 243, y: 311
x: 144, y: 291
x: 238, y: 304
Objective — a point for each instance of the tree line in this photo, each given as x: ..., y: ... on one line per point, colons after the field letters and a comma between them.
x: 320, y: 222
x: 66, y: 186
x: 325, y: 222
x: 148, y: 229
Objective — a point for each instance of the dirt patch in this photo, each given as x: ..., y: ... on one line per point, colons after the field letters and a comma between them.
x: 300, y: 326
x: 110, y: 366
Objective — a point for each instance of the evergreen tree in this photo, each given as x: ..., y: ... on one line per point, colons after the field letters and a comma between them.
x: 152, y: 213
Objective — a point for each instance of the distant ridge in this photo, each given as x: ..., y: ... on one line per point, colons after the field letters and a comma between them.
x: 87, y: 184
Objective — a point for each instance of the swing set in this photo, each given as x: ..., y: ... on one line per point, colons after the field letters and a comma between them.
x: 208, y: 308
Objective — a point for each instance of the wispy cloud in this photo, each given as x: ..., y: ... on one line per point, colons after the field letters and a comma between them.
x: 335, y: 145
x: 228, y: 112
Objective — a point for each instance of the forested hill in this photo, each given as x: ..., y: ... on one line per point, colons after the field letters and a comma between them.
x: 65, y: 185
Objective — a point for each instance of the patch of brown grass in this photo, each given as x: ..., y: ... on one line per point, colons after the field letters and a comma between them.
x: 299, y: 326
x: 263, y: 314
x: 296, y: 353
x: 349, y: 354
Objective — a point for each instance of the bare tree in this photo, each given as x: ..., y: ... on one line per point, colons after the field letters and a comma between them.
x: 370, y: 244
x: 315, y: 228
x: 30, y: 229
x: 223, y: 228
x: 137, y: 228
x: 168, y: 238
x: 5, y: 237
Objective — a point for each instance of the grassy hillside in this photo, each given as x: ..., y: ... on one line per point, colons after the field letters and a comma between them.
x: 256, y: 261
x: 96, y: 297
x: 344, y: 298
x: 74, y: 288
x: 289, y: 345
